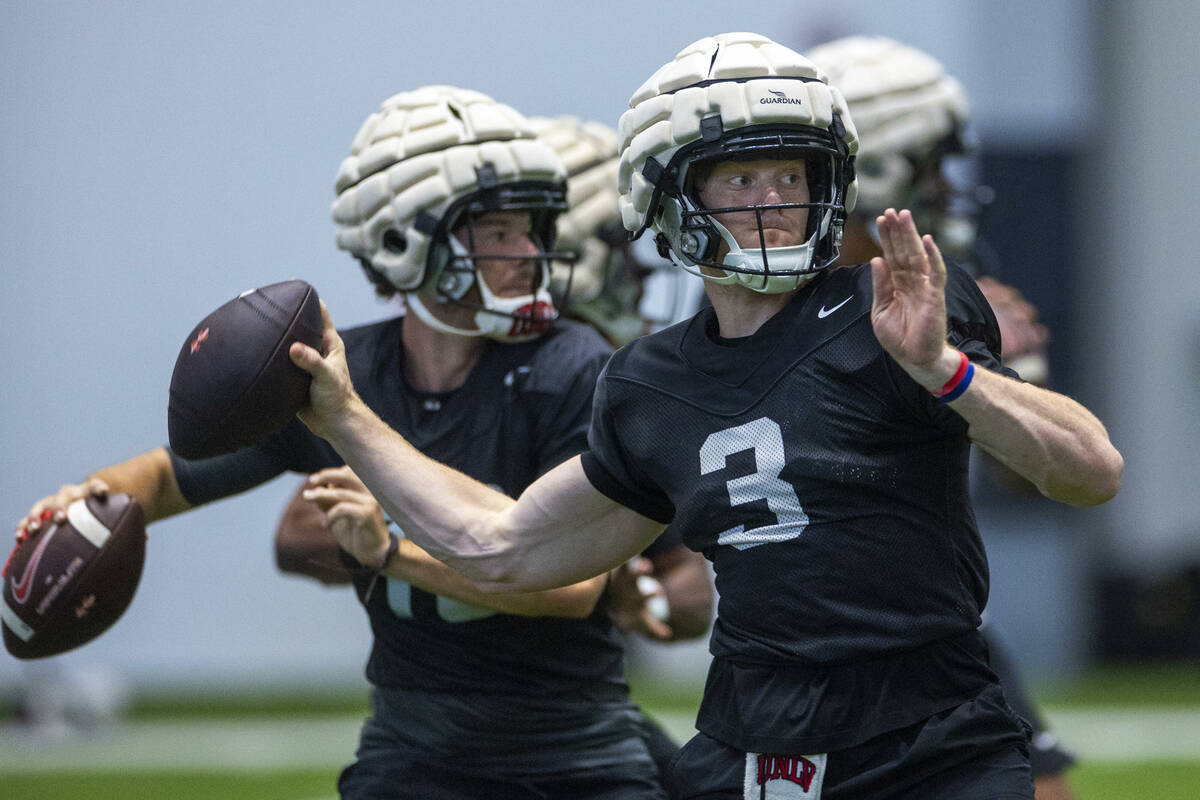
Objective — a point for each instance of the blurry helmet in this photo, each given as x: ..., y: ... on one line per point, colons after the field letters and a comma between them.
x: 914, y: 147
x: 606, y: 283
x: 427, y: 162
x: 591, y: 225
x: 736, y: 96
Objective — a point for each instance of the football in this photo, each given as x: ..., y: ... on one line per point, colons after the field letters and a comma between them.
x: 234, y: 383
x: 67, y: 583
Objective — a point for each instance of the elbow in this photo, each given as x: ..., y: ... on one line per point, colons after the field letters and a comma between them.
x: 1110, y: 473
x: 580, y: 601
x: 580, y: 609
x: 1101, y: 480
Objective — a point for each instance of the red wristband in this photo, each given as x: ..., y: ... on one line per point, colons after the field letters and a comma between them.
x: 950, y: 385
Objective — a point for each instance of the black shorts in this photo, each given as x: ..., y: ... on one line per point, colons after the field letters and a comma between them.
x: 423, y: 745
x: 370, y: 779
x: 975, y: 751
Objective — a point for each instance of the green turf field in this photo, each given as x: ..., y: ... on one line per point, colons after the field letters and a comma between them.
x: 1157, y: 780
x: 311, y: 734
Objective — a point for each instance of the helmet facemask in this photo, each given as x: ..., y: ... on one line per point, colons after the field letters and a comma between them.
x: 454, y: 268
x: 691, y: 235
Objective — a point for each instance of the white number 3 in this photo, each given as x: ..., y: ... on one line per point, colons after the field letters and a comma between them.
x: 765, y: 438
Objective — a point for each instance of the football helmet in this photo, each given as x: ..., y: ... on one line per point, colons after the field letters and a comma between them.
x: 428, y: 162
x: 915, y: 147
x: 592, y: 222
x: 736, y: 96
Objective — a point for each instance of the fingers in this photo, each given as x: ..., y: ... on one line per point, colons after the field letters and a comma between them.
x: 656, y: 629
x: 639, y: 566
x: 905, y: 250
x: 881, y: 282
x: 338, y: 477
x: 305, y: 358
x: 54, y: 507
x: 329, y: 334
x: 329, y: 496
x: 937, y: 267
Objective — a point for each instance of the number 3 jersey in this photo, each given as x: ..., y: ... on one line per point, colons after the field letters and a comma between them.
x: 830, y: 492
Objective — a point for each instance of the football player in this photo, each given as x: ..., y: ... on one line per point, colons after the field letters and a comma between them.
x: 914, y: 150
x: 602, y: 291
x: 666, y: 594
x: 449, y: 201
x: 809, y: 433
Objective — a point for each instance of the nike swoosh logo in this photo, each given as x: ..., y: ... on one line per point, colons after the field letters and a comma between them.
x: 825, y: 312
x: 20, y: 589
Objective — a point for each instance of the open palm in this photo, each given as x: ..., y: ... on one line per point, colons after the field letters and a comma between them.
x: 909, y: 308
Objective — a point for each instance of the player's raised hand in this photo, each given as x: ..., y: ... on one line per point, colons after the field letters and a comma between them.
x: 909, y: 308
x: 331, y: 391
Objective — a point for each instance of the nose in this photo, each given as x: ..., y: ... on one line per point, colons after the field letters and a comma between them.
x: 771, y: 195
x: 525, y: 246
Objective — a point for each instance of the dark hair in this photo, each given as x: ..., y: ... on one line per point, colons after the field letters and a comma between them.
x: 383, y: 287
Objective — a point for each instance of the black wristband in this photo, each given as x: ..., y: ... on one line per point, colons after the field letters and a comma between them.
x: 390, y: 555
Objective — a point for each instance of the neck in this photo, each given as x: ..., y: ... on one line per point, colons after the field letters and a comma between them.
x: 741, y: 311
x: 434, y: 361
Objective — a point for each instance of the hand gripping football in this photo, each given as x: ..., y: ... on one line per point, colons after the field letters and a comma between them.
x: 67, y: 583
x: 234, y: 383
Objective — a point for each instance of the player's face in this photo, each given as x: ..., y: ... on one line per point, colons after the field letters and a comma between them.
x: 508, y: 235
x: 758, y: 183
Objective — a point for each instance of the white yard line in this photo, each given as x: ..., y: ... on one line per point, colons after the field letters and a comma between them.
x: 199, y: 744
x: 288, y: 743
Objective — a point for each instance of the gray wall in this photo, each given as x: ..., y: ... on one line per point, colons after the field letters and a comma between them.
x: 158, y: 158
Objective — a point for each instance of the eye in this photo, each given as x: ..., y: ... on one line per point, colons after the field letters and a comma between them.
x: 791, y: 179
x: 739, y: 181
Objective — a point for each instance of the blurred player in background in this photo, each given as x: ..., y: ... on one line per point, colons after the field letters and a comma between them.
x: 915, y: 152
x: 449, y: 200
x: 666, y: 594
x: 809, y: 433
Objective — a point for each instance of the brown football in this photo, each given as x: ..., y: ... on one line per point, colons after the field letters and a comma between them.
x: 67, y: 583
x: 234, y: 382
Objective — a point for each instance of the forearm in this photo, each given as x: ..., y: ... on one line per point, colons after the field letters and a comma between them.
x: 417, y: 568
x: 561, y: 531
x: 1047, y: 438
x: 448, y: 514
x: 150, y: 479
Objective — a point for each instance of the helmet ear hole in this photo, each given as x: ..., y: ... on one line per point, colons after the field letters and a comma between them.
x: 455, y: 283
x: 394, y: 242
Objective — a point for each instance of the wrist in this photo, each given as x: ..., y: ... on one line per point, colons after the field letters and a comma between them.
x: 942, y: 372
x: 350, y: 424
x: 958, y: 383
x: 389, y: 555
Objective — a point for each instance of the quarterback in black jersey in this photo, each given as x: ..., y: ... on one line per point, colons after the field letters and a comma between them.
x: 449, y: 199
x: 809, y: 433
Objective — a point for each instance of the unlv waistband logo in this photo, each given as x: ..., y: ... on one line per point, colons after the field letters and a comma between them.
x: 797, y: 769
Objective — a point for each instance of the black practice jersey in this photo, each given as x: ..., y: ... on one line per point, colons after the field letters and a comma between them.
x: 829, y: 490
x: 523, y: 409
